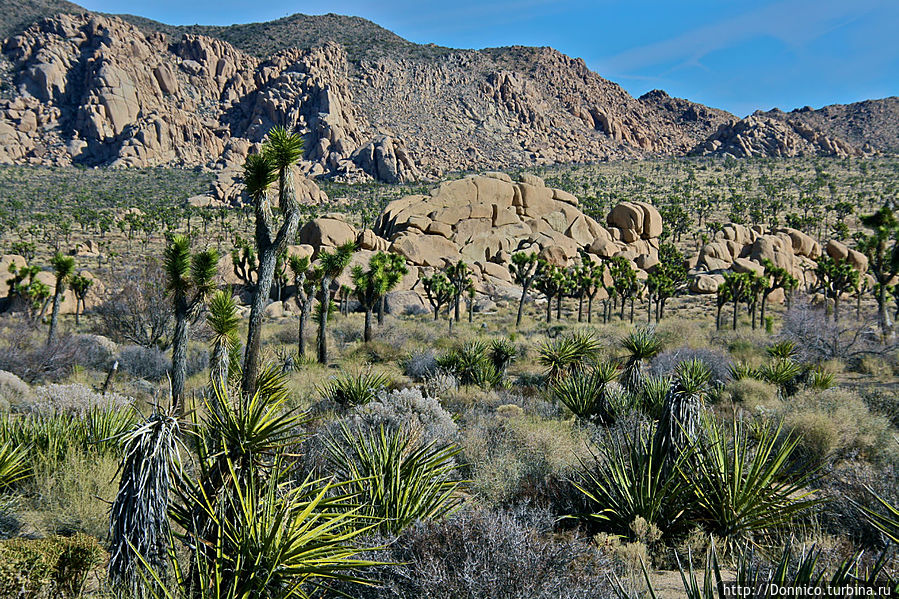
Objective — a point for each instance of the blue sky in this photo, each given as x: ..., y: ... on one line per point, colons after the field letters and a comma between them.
x: 733, y: 54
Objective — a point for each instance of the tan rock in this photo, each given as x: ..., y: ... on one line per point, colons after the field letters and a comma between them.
x: 367, y: 240
x: 627, y: 216
x: 555, y: 255
x: 747, y: 265
x: 652, y: 220
x: 438, y: 228
x: 326, y: 232
x: 426, y: 250
x: 836, y: 250
x: 706, y: 284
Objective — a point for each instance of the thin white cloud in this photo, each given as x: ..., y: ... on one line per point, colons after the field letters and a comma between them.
x: 794, y: 22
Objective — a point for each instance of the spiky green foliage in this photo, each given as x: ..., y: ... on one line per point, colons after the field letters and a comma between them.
x: 652, y: 399
x: 355, y: 389
x: 138, y: 519
x: 681, y: 416
x: 882, y: 250
x: 783, y: 350
x: 223, y: 320
x: 835, y: 278
x: 821, y: 379
x: 744, y: 485
x: 569, y: 354
x: 13, y: 465
x: 641, y: 345
x: 396, y: 482
x: 627, y: 478
x: 783, y: 373
x: 885, y: 519
x: 741, y: 370
x: 384, y: 272
x: 478, y: 362
x: 587, y: 393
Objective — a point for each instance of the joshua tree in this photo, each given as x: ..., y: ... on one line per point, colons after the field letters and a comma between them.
x: 80, y: 285
x: 273, y: 165
x: 459, y: 275
x: 551, y: 283
x: 243, y: 262
x: 373, y: 284
x: 525, y: 268
x: 223, y: 320
x: 721, y: 300
x: 190, y: 281
x: 305, y: 280
x: 590, y: 280
x: 624, y: 279
x: 439, y: 291
x: 737, y: 288
x: 667, y: 277
x: 63, y: 267
x: 881, y: 247
x: 330, y: 266
x: 757, y: 286
x: 834, y: 279
x: 778, y: 278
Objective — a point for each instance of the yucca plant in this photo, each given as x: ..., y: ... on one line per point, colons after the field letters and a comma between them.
x: 626, y: 478
x: 744, y: 486
x: 641, y: 345
x: 782, y: 373
x: 106, y: 426
x: 783, y: 350
x: 568, y: 355
x: 682, y: 412
x: 586, y: 394
x: 138, y: 519
x: 502, y: 353
x: 265, y: 540
x: 787, y: 571
x: 655, y: 391
x: 886, y: 520
x: 355, y: 389
x: 224, y: 358
x: 395, y: 481
x: 14, y: 465
x: 740, y: 370
x: 820, y: 379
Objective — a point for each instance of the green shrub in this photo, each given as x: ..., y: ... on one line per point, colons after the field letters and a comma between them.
x: 568, y: 355
x: 396, y: 481
x: 50, y: 567
x: 818, y: 435
x: 349, y: 389
x: 479, y: 363
x: 587, y: 393
x: 752, y: 393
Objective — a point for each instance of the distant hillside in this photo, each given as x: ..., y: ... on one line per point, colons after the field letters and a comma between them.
x: 874, y: 122
x: 102, y: 90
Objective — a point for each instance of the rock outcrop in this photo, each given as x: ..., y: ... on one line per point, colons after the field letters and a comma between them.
x: 757, y: 136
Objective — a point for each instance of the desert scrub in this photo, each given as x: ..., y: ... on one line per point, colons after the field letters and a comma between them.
x: 490, y: 554
x: 514, y: 456
x: 719, y: 362
x: 354, y: 389
x: 13, y: 391
x: 752, y: 394
x: 856, y: 430
x: 51, y: 567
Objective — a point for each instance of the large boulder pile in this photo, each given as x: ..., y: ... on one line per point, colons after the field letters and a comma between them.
x: 740, y: 248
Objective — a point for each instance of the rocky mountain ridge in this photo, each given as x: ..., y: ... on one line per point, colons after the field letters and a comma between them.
x: 103, y: 91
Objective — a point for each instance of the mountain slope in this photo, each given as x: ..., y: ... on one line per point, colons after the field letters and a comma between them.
x: 103, y: 90
x: 873, y: 122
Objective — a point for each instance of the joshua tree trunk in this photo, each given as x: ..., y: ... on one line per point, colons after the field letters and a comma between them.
x: 762, y: 311
x: 589, y: 309
x: 559, y: 307
x: 268, y: 257
x: 580, y: 308
x: 649, y: 310
x: 886, y: 327
x: 179, y: 360
x: 736, y: 305
x: 54, y: 315
x: 218, y: 368
x: 366, y: 334
x: 382, y: 307
x: 522, y: 299
x: 549, y: 310
x: 836, y: 307
x: 301, y: 332
x: 323, y: 320
x: 632, y: 311
x: 753, y: 314
x: 471, y: 311
x: 457, y: 301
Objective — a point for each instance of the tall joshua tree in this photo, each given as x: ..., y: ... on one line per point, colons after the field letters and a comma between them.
x: 190, y: 280
x: 525, y: 268
x: 881, y: 247
x: 330, y: 266
x: 63, y: 267
x: 440, y: 292
x: 460, y: 276
x: 271, y: 166
x: 305, y: 280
